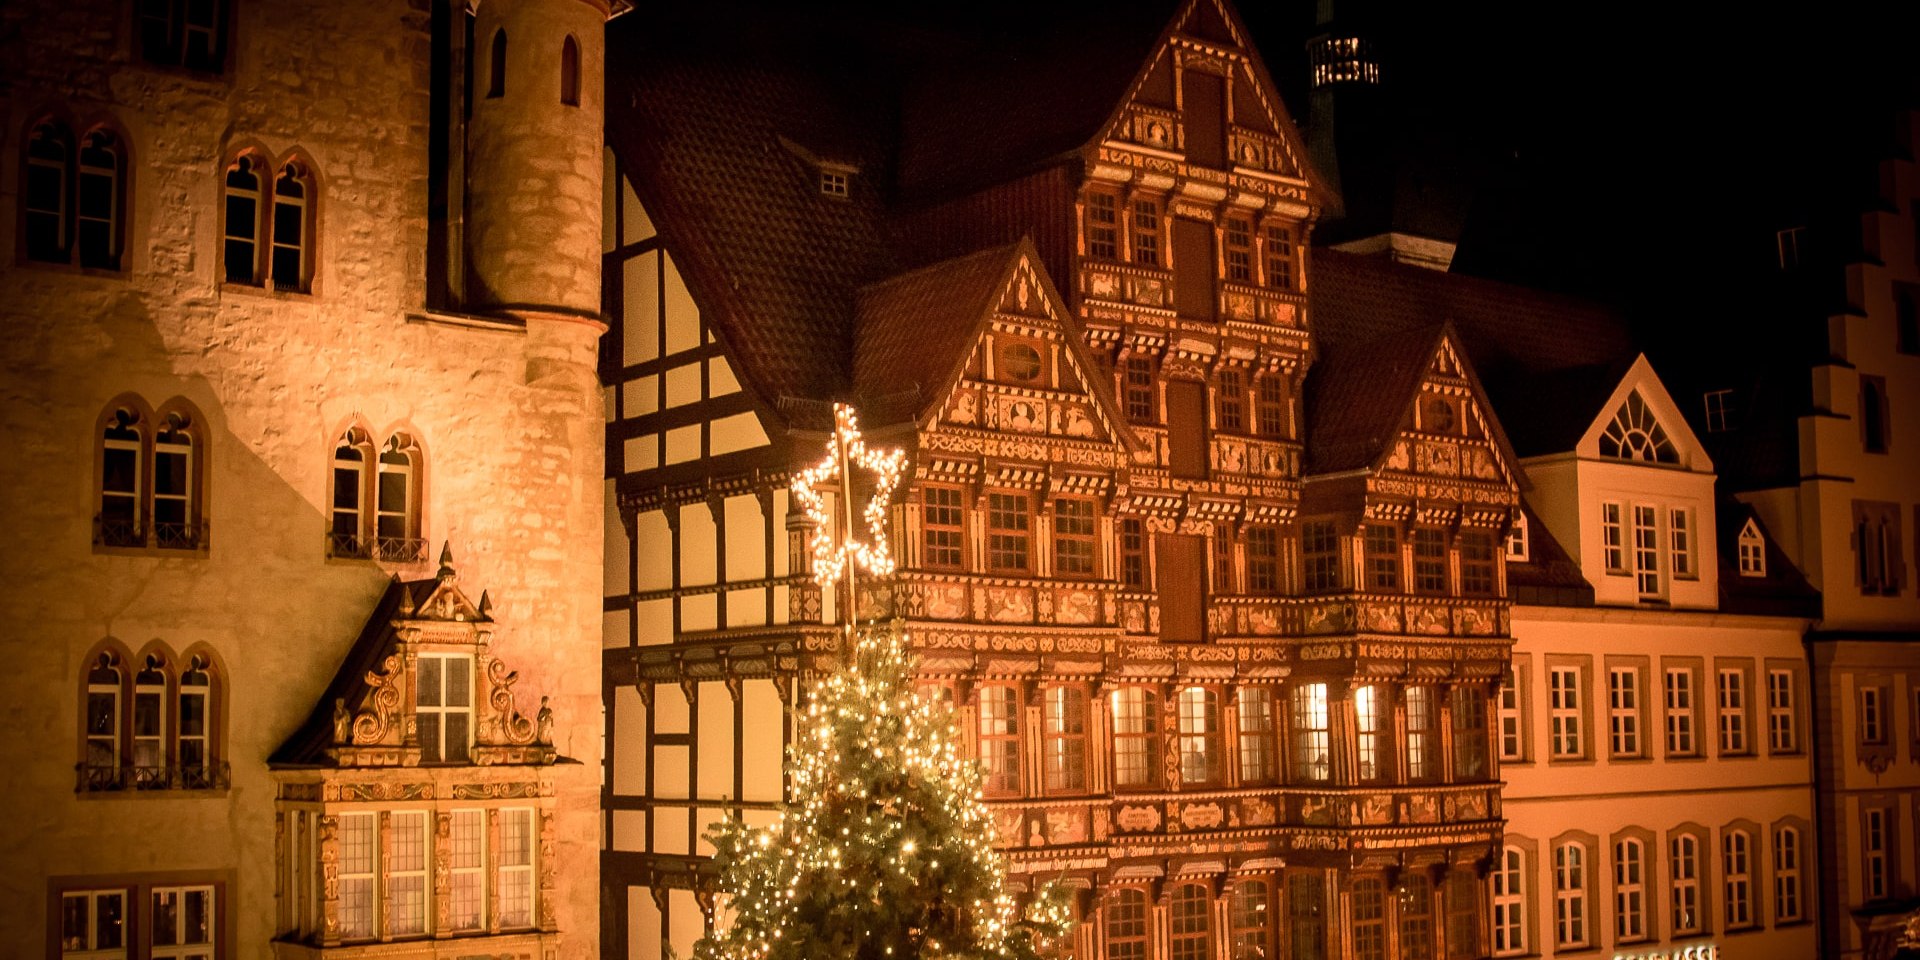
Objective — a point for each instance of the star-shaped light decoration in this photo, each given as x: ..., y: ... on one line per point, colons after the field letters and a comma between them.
x: 840, y: 561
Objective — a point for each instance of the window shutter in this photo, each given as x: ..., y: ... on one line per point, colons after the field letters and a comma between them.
x: 1187, y: 429
x: 1205, y: 98
x: 1193, y: 268
x: 1181, y: 568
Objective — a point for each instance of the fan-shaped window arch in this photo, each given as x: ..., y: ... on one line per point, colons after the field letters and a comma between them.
x: 570, y: 72
x: 497, y: 66
x: 1635, y: 434
x: 46, y: 193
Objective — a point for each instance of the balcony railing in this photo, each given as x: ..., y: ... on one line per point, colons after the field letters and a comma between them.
x: 390, y: 549
x: 99, y: 778
x: 161, y: 536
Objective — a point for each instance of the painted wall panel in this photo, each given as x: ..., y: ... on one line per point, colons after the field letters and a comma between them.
x: 683, y: 318
x: 629, y: 742
x: 652, y: 541
x: 746, y: 539
x: 640, y: 306
x: 741, y: 431
x: 671, y: 764
x: 671, y: 711
x: 653, y: 621
x: 683, y: 385
x: 643, y: 925
x: 747, y: 608
x: 630, y: 830
x: 684, y: 922
x: 701, y: 612
x: 716, y: 742
x: 697, y: 538
x: 761, y: 740
x: 670, y: 831
x: 683, y: 444
x: 614, y: 628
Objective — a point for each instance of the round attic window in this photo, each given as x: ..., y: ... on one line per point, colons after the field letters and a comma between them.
x: 1020, y: 362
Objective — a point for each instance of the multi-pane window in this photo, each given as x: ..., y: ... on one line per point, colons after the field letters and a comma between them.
x: 120, y: 480
x: 1221, y: 571
x: 1612, y: 538
x: 1133, y: 553
x: 1570, y: 894
x: 407, y: 874
x: 1683, y: 868
x: 396, y: 513
x: 1270, y: 406
x: 1753, y: 552
x: 1874, y: 847
x: 1733, y: 711
x: 1263, y: 560
x: 1319, y: 556
x: 1469, y: 733
x: 1720, y: 408
x: 349, y: 496
x: 1623, y: 711
x: 183, y: 33
x: 1786, y: 875
x: 1146, y: 232
x: 290, y: 253
x: 516, y: 868
x: 74, y: 214
x: 150, y: 482
x: 1518, y: 548
x: 1009, y: 519
x: 1279, y: 256
x: 1370, y: 721
x: 268, y: 239
x: 1136, y: 736
x: 467, y: 869
x: 150, y: 726
x: 99, y: 212
x: 45, y: 197
x: 181, y: 923
x: 1231, y: 402
x: 1102, y: 226
x: 999, y: 732
x: 1476, y: 563
x: 1255, y: 709
x: 1416, y: 916
x: 1422, y: 750
x: 1680, y: 535
x: 1783, y: 735
x: 1629, y: 890
x: 1306, y: 915
x: 1073, y: 537
x: 1679, y: 712
x: 443, y: 704
x: 1635, y: 434
x: 1188, y: 931
x: 1126, y: 925
x: 1382, y: 549
x: 173, y: 483
x: 1251, y: 918
x: 1429, y: 560
x: 103, y: 724
x: 1873, y: 715
x: 1239, y: 250
x: 1564, y: 709
x: 1369, y: 919
x: 1646, y: 550
x: 1512, y: 732
x: 1066, y: 739
x: 942, y: 526
x: 358, y: 863
x: 1197, y: 712
x: 193, y: 743
x: 241, y: 251
x: 1137, y: 390
x: 1311, y: 747
x: 93, y: 924
x: 1736, y: 866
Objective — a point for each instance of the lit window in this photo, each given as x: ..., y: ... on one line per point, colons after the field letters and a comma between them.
x: 150, y: 726
x: 1136, y: 737
x: 183, y: 33
x: 1255, y: 709
x: 1512, y: 733
x: 1382, y: 547
x: 943, y: 527
x: 1239, y: 250
x: 1320, y: 556
x: 1634, y: 434
x: 1517, y: 545
x: 516, y: 868
x: 1369, y: 919
x: 1251, y: 913
x: 45, y: 199
x: 1684, y: 867
x: 1570, y: 894
x: 1786, y: 875
x: 1126, y: 925
x: 1753, y: 552
x: 1733, y: 711
x: 1369, y: 720
x: 407, y: 873
x: 1629, y: 890
x: 1736, y: 850
x: 1646, y: 550
x: 1066, y: 739
x: 1782, y: 733
x: 101, y: 770
x: 833, y: 183
x: 1198, y: 714
x: 1146, y: 232
x: 93, y: 924
x: 1421, y: 748
x: 1679, y: 712
x: 1623, y: 711
x: 1429, y: 560
x: 1719, y: 404
x: 1680, y: 533
x: 1311, y: 749
x: 1189, y: 932
x: 357, y: 869
x: 1073, y: 537
x: 1232, y: 406
x: 1102, y: 230
x: 1222, y: 569
x: 1263, y: 560
x: 444, y: 707
x: 1416, y: 916
x: 1306, y: 915
x: 999, y: 729
x: 1279, y: 256
x: 1139, y: 390
x: 193, y: 746
x: 467, y: 892
x: 1565, y: 712
x: 1009, y: 517
x: 1613, y: 538
x: 1874, y: 844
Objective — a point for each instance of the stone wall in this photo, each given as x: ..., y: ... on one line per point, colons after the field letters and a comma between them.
x: 508, y: 417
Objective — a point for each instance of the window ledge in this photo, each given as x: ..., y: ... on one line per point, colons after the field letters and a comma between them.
x: 208, y: 794
x: 471, y: 321
x: 268, y: 293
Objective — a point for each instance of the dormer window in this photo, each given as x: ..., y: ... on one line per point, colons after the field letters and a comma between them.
x: 1753, y: 551
x: 833, y: 183
x: 1634, y: 434
x: 443, y: 704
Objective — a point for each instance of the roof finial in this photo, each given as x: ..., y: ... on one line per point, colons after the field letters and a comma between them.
x: 446, y: 560
x: 486, y: 606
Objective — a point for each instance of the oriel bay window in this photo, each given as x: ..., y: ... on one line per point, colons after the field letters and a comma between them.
x: 1133, y: 553
x: 1065, y: 739
x: 1136, y: 737
x: 1198, y: 714
x: 1423, y: 747
x: 1469, y: 733
x: 1279, y: 255
x: 388, y: 875
x: 1477, y: 576
x: 1146, y: 232
x: 1263, y: 560
x: 1270, y: 406
x: 1429, y: 560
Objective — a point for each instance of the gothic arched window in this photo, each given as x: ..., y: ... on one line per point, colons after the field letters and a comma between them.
x: 119, y: 523
x: 497, y: 66
x: 1635, y: 434
x: 102, y: 751
x: 100, y: 213
x: 45, y: 199
x: 150, y: 724
x: 292, y: 228
x: 176, y: 484
x: 346, y: 530
x: 570, y: 72
x: 194, y: 753
x: 397, y: 500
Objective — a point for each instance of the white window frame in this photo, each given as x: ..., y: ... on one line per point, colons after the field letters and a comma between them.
x: 1064, y: 736
x: 185, y: 496
x: 293, y: 172
x: 1731, y: 694
x: 1423, y: 761
x: 1629, y: 889
x: 518, y: 842
x: 1613, y: 537
x: 1787, y: 888
x: 111, y: 739
x: 1680, y: 537
x: 1682, y: 740
x: 1570, y: 895
x: 1736, y: 873
x: 359, y: 877
x: 409, y: 473
x: 1647, y: 580
x: 155, y: 740
x: 467, y: 868
x: 89, y: 947
x: 1683, y: 870
x: 1197, y: 720
x: 1519, y: 544
x: 1753, y: 551
x: 1873, y: 715
x: 1513, y: 733
x: 1623, y: 711
x: 1509, y: 899
x: 1783, y: 733
x: 1136, y: 725
x: 407, y: 875
x: 997, y: 727
x: 1367, y: 712
x: 179, y: 950
x: 1566, y: 737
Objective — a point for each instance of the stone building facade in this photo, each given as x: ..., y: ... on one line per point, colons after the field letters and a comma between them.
x: 288, y: 308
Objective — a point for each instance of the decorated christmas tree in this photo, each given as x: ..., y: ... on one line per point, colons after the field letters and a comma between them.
x: 886, y: 848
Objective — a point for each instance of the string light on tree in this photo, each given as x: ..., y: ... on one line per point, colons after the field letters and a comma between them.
x: 885, y: 849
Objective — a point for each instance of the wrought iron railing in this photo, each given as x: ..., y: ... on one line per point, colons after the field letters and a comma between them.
x: 179, y: 536
x: 118, y: 533
x: 99, y: 778
x: 162, y: 536
x: 343, y: 546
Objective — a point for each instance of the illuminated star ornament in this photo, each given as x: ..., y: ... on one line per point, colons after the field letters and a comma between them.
x: 838, y: 561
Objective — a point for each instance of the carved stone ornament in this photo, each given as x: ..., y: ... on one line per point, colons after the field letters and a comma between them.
x: 375, y: 722
x: 513, y: 726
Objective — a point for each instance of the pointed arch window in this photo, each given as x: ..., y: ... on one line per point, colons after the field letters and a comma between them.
x: 174, y: 485
x: 149, y: 481
x: 345, y: 533
x: 99, y: 211
x: 269, y: 226
x: 119, y: 523
x: 45, y: 203
x: 194, y: 751
x: 101, y: 753
x: 150, y: 725
x: 1635, y: 434
x: 570, y: 72
x: 497, y: 66
x: 292, y: 256
x: 1753, y: 551
x: 397, y: 501
x: 241, y: 249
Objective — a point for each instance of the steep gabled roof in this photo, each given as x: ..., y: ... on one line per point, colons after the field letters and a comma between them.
x: 913, y: 331
x: 1784, y: 591
x: 1357, y: 396
x: 1549, y: 576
